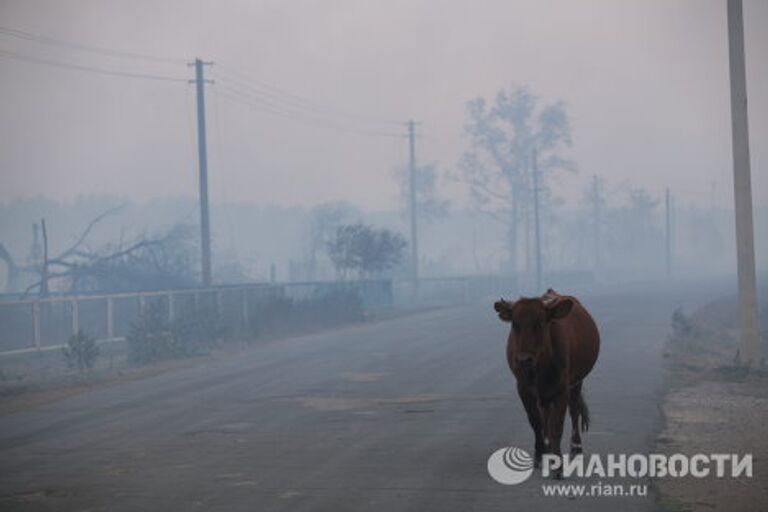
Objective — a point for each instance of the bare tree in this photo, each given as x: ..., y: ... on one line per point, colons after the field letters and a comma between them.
x: 503, y: 136
x: 146, y: 262
x: 12, y: 269
x: 429, y: 204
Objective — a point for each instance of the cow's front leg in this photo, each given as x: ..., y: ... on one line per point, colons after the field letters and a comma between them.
x: 528, y: 397
x: 554, y: 428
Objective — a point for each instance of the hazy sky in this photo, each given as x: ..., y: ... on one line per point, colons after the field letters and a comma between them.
x: 646, y: 84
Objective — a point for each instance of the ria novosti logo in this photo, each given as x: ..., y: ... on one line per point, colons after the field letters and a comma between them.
x: 511, y: 465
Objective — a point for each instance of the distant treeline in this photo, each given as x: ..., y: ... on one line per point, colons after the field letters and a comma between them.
x: 256, y: 242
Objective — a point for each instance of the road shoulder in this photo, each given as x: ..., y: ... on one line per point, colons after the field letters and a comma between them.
x: 713, y: 406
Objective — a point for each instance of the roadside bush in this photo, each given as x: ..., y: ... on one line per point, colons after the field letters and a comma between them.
x: 335, y: 308
x: 154, y: 337
x: 281, y: 315
x: 81, y: 352
x: 150, y: 338
x: 683, y: 329
x: 199, y: 329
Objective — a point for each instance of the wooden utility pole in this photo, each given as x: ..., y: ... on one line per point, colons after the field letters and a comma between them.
x: 202, y: 156
x: 596, y: 219
x: 412, y: 203
x: 44, y: 289
x: 36, y: 251
x: 745, y: 249
x: 668, y: 233
x: 536, y: 223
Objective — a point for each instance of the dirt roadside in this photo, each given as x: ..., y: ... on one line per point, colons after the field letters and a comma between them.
x: 37, y: 378
x: 713, y: 405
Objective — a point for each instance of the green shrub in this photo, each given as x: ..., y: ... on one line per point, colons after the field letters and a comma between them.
x: 199, y: 329
x: 280, y: 315
x: 154, y: 337
x: 81, y: 352
x: 150, y: 338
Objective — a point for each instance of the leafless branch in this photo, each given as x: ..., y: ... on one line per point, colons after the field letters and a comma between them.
x: 87, y: 231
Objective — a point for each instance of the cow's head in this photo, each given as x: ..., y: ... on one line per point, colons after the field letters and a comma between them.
x: 531, y: 320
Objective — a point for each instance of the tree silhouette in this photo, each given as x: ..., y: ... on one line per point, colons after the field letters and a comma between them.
x: 498, y: 167
x: 365, y: 250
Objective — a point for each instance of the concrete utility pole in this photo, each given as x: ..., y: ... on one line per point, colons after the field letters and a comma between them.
x: 36, y: 251
x: 44, y: 290
x: 742, y: 188
x: 412, y: 201
x: 202, y: 156
x: 668, y: 232
x: 596, y: 215
x: 536, y: 224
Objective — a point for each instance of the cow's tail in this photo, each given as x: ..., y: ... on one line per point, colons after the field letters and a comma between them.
x: 583, y: 411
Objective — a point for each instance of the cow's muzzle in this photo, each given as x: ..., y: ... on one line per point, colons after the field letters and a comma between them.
x: 525, y: 359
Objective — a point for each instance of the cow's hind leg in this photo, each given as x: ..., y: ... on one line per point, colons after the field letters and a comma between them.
x: 579, y: 417
x: 534, y: 418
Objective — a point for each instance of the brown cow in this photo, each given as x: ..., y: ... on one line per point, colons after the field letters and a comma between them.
x: 552, y: 346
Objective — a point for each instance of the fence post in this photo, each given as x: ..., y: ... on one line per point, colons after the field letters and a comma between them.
x: 36, y: 323
x: 110, y: 319
x: 171, y: 310
x: 142, y: 303
x: 75, y: 317
x: 244, y: 301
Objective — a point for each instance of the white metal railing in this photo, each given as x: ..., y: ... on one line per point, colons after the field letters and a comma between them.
x: 48, y: 324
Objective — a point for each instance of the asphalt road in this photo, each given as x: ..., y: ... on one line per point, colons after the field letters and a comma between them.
x: 396, y: 415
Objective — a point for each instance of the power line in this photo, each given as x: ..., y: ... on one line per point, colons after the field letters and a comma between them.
x: 257, y: 90
x: 266, y: 108
x: 41, y: 39
x: 279, y: 104
x: 262, y: 88
x: 260, y: 99
x: 300, y: 117
x: 277, y: 108
x: 90, y: 69
x: 282, y: 95
x: 266, y: 105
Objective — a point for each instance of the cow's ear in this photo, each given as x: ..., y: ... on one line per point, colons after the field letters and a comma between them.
x: 559, y: 308
x: 504, y: 309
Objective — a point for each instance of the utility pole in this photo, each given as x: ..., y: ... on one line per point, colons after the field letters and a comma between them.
x: 742, y: 188
x: 668, y: 233
x: 36, y: 251
x: 412, y: 201
x: 536, y: 223
x: 202, y: 157
x: 596, y: 215
x: 44, y: 290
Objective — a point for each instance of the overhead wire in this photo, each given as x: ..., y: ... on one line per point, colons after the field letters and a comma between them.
x: 267, y: 108
x: 229, y: 83
x: 267, y: 105
x: 90, y: 69
x: 237, y: 86
x: 41, y: 39
x: 262, y: 88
